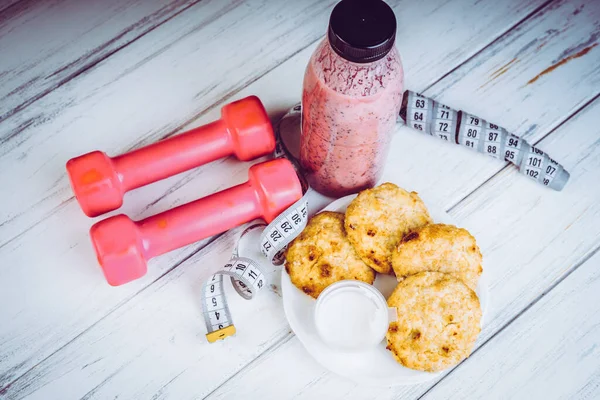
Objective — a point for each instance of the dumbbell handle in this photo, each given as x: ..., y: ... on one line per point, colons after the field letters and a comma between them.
x: 174, y: 155
x: 199, y: 219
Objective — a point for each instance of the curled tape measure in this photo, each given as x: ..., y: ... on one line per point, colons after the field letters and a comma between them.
x: 248, y: 276
x: 436, y: 119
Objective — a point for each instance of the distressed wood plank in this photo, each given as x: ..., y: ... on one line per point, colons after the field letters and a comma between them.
x: 66, y: 258
x: 493, y: 86
x: 504, y: 216
x: 79, y: 296
x: 123, y: 105
x: 132, y: 114
x: 6, y: 4
x: 321, y: 384
x: 45, y: 44
x: 166, y: 333
x: 576, y: 34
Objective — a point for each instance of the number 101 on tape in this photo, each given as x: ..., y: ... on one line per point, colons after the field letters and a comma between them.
x: 428, y: 116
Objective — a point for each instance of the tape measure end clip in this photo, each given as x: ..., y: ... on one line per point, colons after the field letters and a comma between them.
x: 220, y: 334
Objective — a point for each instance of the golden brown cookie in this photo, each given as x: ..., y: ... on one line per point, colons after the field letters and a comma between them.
x: 322, y: 255
x: 438, y: 321
x: 441, y: 248
x: 378, y: 218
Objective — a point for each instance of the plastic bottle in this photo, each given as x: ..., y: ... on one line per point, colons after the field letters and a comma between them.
x: 351, y: 98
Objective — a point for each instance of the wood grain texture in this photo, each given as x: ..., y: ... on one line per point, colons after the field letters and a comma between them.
x: 45, y: 44
x: 65, y: 127
x: 447, y: 170
x: 124, y: 105
x: 504, y: 215
x: 113, y: 106
x: 5, y: 6
x: 496, y: 88
x: 154, y: 346
x: 49, y: 334
x: 105, y: 100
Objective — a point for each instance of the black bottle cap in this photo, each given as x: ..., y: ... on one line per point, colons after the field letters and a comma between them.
x: 362, y: 31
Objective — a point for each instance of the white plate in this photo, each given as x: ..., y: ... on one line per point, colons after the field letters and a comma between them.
x: 374, y: 367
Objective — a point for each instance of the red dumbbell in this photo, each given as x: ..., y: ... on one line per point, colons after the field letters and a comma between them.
x: 99, y: 182
x: 123, y: 246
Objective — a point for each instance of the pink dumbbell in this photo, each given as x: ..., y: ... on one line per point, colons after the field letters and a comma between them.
x: 99, y: 182
x: 123, y: 246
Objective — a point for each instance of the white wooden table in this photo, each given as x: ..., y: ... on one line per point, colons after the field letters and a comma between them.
x: 114, y: 75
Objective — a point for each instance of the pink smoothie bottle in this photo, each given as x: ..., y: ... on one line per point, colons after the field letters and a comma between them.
x: 351, y: 98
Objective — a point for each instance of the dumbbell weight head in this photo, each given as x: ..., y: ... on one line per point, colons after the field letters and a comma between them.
x: 277, y: 186
x: 119, y: 249
x: 247, y: 121
x: 95, y: 183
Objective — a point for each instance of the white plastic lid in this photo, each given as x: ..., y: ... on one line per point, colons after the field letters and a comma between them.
x: 352, y: 316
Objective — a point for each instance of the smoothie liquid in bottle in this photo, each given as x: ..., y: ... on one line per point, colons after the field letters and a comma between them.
x: 351, y: 98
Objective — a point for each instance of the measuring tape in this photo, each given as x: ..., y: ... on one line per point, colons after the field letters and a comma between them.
x: 248, y: 276
x: 436, y: 119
